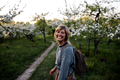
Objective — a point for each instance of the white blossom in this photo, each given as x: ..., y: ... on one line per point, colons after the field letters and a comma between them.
x: 118, y: 37
x: 84, y: 37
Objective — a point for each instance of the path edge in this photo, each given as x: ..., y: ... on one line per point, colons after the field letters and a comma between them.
x: 28, y: 72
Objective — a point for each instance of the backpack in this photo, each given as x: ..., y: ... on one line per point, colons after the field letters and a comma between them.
x: 80, y: 66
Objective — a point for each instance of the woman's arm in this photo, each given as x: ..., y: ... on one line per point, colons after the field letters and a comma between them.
x: 53, y: 70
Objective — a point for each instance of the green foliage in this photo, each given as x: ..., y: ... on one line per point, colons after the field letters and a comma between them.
x: 49, y: 30
x: 41, y: 24
x: 90, y: 65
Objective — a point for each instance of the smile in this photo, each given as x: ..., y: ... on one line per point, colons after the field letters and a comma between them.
x: 59, y: 37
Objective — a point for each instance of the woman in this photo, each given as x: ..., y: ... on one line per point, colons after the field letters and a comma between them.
x: 65, y: 60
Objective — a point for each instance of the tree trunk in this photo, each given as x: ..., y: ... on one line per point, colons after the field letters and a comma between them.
x: 1, y: 39
x: 75, y: 26
x: 96, y: 46
x: 44, y: 36
x: 89, y: 46
x: 44, y: 31
x: 27, y: 36
x: 31, y: 38
x: 11, y: 37
x: 79, y: 44
x: 109, y: 41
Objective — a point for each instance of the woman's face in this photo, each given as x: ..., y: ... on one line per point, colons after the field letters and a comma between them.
x: 60, y: 35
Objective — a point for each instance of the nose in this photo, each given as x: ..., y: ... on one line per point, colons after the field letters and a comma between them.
x: 59, y: 33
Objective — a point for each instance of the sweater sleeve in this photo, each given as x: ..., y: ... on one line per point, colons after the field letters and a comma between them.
x: 65, y: 64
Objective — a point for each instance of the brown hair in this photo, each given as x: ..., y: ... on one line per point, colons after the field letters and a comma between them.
x: 67, y: 32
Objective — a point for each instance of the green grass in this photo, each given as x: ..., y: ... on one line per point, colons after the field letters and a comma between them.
x: 21, y: 53
x: 42, y: 71
x: 96, y: 69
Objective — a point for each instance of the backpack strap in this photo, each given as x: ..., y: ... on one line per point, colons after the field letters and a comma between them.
x: 66, y: 46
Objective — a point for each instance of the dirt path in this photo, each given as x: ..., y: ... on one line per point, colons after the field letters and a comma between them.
x: 28, y: 72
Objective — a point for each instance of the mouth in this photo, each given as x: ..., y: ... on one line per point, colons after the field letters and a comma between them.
x: 59, y: 37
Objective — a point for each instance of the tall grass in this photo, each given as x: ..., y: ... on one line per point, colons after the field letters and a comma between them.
x: 21, y: 53
x: 104, y: 66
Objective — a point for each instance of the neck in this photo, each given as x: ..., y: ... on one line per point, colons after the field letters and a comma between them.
x: 61, y: 43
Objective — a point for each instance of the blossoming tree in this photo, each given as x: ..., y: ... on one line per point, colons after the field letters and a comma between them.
x: 97, y: 27
x: 8, y: 18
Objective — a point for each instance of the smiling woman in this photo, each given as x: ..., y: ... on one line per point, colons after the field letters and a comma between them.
x: 65, y: 59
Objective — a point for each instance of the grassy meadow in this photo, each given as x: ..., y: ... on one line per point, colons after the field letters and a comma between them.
x: 21, y: 53
x: 104, y: 66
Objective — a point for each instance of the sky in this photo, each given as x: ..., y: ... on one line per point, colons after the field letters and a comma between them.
x: 44, y: 6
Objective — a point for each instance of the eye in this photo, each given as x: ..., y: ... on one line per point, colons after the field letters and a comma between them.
x: 58, y: 31
x: 63, y: 32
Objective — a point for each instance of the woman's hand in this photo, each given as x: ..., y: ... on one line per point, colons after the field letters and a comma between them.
x: 53, y: 70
